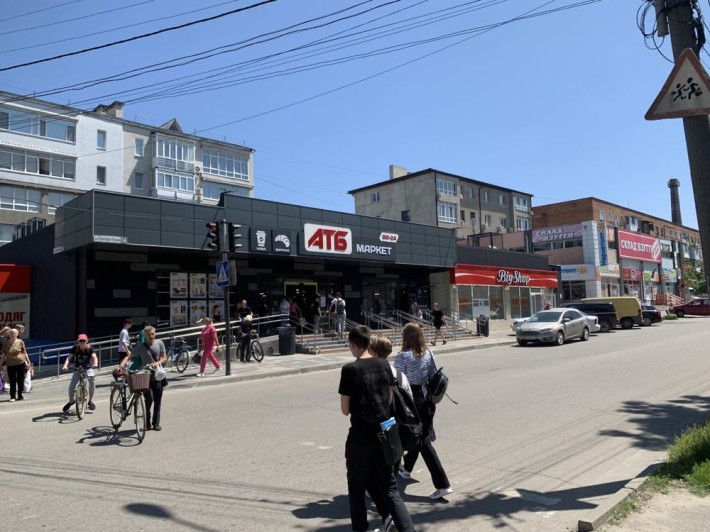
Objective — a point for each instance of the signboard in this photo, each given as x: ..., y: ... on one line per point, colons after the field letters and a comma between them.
x: 491, y: 276
x: 638, y: 247
x: 222, y: 273
x: 339, y: 242
x: 610, y: 270
x: 686, y: 92
x: 560, y: 232
x: 603, y: 249
x: 178, y: 284
x: 579, y: 272
x: 282, y: 242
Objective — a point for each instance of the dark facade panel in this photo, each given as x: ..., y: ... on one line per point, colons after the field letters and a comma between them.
x: 291, y: 211
x: 333, y: 218
x: 499, y: 257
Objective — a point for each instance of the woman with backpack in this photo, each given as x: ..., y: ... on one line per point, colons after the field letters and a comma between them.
x: 418, y: 365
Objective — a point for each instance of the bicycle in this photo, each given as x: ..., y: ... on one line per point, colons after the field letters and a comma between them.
x: 81, y: 392
x: 257, y: 351
x: 122, y: 403
x: 178, y: 354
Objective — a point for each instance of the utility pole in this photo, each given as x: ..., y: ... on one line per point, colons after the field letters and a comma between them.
x: 227, y: 317
x: 683, y: 27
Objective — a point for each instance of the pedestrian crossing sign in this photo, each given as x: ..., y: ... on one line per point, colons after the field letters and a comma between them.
x: 223, y: 273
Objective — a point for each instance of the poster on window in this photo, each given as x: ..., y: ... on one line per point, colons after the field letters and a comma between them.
x: 178, y: 313
x: 198, y: 285
x: 198, y: 310
x: 216, y: 292
x: 178, y: 284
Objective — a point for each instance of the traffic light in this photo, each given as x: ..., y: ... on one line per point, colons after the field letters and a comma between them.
x: 213, y: 239
x: 234, y: 237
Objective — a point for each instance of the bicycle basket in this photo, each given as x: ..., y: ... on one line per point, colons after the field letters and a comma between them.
x: 139, y: 381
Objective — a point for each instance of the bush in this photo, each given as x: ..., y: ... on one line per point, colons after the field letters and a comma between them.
x: 670, y: 316
x: 699, y: 479
x: 690, y: 448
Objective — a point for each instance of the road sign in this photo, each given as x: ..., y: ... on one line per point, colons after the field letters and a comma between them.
x: 223, y: 273
x: 686, y: 91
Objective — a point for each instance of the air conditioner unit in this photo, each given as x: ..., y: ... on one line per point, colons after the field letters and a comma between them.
x: 461, y: 196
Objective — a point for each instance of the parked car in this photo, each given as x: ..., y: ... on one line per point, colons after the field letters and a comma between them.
x: 517, y: 322
x: 605, y: 313
x: 627, y: 307
x: 695, y: 307
x: 555, y: 326
x: 651, y: 315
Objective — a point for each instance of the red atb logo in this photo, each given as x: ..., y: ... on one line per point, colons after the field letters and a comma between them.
x: 326, y: 239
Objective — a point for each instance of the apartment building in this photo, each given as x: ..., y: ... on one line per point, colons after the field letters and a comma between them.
x: 50, y: 154
x: 442, y: 199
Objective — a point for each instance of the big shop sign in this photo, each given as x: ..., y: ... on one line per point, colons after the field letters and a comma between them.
x: 470, y: 274
x: 326, y: 239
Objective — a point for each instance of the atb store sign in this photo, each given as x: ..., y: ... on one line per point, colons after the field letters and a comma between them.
x: 638, y: 247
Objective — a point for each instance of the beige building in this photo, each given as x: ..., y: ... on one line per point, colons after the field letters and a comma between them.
x: 441, y: 199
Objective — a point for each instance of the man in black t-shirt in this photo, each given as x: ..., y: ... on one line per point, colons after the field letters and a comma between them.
x: 365, y: 396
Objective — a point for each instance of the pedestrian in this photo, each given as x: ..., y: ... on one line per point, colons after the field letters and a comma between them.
x: 337, y: 309
x: 548, y: 306
x: 365, y: 389
x: 141, y: 333
x: 381, y: 347
x: 216, y: 313
x: 437, y: 318
x: 4, y: 335
x: 124, y: 340
x: 245, y: 327
x: 15, y: 358
x: 294, y: 310
x: 284, y: 310
x: 152, y: 352
x: 316, y: 313
x: 243, y: 309
x: 81, y: 356
x: 209, y: 344
x: 417, y: 363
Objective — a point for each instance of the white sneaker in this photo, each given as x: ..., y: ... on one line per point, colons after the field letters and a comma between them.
x: 406, y: 475
x: 438, y: 494
x: 217, y: 370
x: 198, y: 375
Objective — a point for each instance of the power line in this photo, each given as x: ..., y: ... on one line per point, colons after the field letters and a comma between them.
x: 138, y: 37
x: 28, y: 13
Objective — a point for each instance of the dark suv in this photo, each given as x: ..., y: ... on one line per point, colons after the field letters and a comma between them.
x: 605, y: 313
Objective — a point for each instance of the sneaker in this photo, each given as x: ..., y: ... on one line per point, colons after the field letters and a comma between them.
x: 217, y: 370
x: 403, y: 473
x: 444, y: 342
x: 156, y: 426
x: 199, y: 375
x: 433, y: 343
x: 91, y: 405
x: 12, y: 399
x: 67, y: 406
x: 440, y: 493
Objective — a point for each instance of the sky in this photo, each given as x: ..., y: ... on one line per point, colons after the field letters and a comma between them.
x: 329, y: 93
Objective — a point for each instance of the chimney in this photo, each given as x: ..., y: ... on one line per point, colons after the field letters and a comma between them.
x: 115, y: 109
x: 397, y: 171
x: 673, y: 184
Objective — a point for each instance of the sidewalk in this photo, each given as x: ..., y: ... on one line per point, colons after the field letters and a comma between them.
x: 52, y: 391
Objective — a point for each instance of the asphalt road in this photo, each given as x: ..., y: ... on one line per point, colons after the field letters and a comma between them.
x: 541, y: 436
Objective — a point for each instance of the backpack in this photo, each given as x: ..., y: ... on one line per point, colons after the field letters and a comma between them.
x: 437, y: 385
x: 339, y: 306
x: 407, y: 417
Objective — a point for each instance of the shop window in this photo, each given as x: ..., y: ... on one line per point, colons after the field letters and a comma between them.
x: 497, y: 303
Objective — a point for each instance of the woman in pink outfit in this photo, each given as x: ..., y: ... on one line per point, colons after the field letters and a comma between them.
x: 209, y: 343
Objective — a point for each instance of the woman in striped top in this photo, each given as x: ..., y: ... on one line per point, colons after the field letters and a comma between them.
x: 418, y: 365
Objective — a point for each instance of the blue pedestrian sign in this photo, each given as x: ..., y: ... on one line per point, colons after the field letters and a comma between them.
x: 223, y: 273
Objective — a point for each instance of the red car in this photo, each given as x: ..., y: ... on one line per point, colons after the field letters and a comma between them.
x: 695, y: 307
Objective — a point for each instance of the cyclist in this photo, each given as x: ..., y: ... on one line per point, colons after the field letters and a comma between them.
x: 245, y: 339
x: 81, y: 356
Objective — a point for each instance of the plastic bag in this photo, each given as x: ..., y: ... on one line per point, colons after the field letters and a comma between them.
x: 159, y: 373
x: 27, y: 385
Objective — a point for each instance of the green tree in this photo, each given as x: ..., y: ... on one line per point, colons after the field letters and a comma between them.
x: 694, y: 276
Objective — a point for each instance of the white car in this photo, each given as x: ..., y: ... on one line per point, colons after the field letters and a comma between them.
x: 517, y: 322
x: 555, y: 326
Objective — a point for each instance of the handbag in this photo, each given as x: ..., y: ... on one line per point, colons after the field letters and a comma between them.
x: 197, y: 358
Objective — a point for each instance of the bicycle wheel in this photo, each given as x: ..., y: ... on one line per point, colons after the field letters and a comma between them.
x: 80, y: 398
x: 257, y: 352
x: 139, y: 416
x: 182, y: 360
x: 116, y: 407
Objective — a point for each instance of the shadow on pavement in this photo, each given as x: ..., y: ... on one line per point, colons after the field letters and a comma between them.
x: 103, y: 435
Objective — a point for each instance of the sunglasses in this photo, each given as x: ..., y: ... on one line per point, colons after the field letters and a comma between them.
x: 82, y: 341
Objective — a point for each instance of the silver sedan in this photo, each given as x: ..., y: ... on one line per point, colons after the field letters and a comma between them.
x: 555, y: 326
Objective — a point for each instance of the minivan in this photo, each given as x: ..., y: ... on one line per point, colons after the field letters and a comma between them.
x: 628, y: 309
x: 605, y: 312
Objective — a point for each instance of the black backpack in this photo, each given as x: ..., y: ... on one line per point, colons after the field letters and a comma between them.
x: 437, y: 386
x: 405, y: 412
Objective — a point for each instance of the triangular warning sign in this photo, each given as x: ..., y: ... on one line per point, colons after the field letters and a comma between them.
x: 686, y: 91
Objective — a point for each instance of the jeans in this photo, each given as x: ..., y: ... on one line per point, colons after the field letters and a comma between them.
x: 426, y: 414
x: 366, y: 470
x: 75, y: 380
x: 245, y: 348
x: 154, y: 395
x: 16, y: 374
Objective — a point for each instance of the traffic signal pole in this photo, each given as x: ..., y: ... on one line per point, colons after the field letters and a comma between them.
x: 682, y: 27
x: 227, y: 317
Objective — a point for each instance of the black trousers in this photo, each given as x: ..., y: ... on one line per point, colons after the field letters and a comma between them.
x: 366, y: 470
x: 16, y: 374
x: 431, y: 459
x: 153, y: 398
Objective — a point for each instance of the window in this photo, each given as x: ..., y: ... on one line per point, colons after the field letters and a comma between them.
x: 406, y: 216
x: 101, y: 140
x: 486, y: 199
x: 57, y: 199
x: 473, y: 219
x: 601, y: 215
x: 214, y: 192
x: 522, y: 224
x: 487, y: 220
x: 445, y: 188
x: 38, y: 125
x: 175, y: 154
x: 471, y: 193
x: 37, y: 163
x: 504, y: 223
x: 20, y: 199
x: 100, y: 175
x: 446, y: 212
x: 6, y: 233
x: 502, y: 200
x: 521, y: 204
x: 225, y: 164
x: 138, y: 147
x: 138, y: 180
x: 463, y: 217
x: 181, y: 183
x: 375, y: 197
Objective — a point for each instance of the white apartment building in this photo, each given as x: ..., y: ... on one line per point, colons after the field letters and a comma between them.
x: 51, y: 153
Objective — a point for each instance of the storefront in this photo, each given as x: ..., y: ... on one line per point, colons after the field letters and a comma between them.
x: 15, y: 288
x: 121, y: 256
x: 578, y: 281
x: 640, y: 262
x: 501, y: 292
